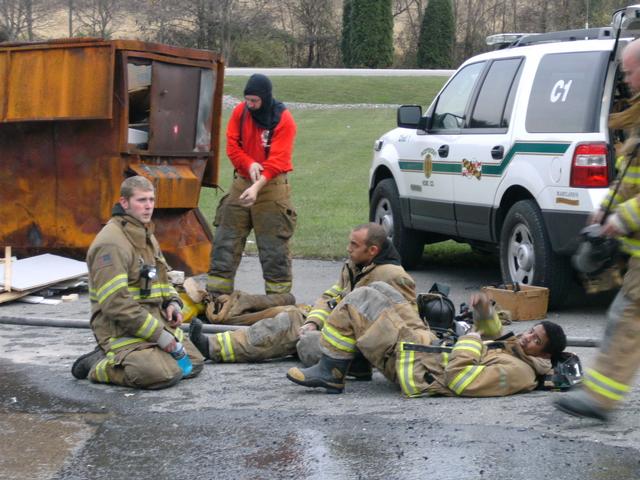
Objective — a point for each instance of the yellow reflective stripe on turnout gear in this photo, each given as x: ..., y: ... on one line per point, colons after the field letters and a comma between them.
x: 474, y: 346
x: 179, y: 334
x: 148, y: 328
x: 319, y: 314
x: 630, y: 245
x: 339, y: 341
x: 404, y: 370
x: 617, y: 198
x: 605, y: 386
x: 277, y: 287
x: 157, y: 290
x: 465, y: 377
x: 112, y: 286
x: 334, y: 292
x: 629, y: 213
x: 226, y: 347
x: 219, y: 284
x: 101, y: 369
x: 445, y: 359
x: 116, y: 343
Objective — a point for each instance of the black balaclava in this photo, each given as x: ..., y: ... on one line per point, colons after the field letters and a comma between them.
x: 269, y: 113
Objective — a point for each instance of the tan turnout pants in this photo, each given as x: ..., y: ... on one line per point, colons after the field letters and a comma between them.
x: 146, y: 366
x: 273, y: 220
x: 619, y: 358
x: 269, y: 338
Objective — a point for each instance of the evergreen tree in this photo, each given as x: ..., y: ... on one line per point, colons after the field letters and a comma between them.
x: 435, y: 46
x: 367, y: 33
x: 345, y: 43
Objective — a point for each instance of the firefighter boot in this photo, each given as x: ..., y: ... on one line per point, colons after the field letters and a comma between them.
x: 360, y: 369
x: 580, y: 404
x: 84, y: 363
x: 200, y: 340
x: 328, y: 373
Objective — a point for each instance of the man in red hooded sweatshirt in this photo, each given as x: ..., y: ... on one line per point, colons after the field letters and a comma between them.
x: 260, y: 138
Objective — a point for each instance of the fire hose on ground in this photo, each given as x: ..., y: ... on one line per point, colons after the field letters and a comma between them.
x: 206, y: 328
x: 79, y: 323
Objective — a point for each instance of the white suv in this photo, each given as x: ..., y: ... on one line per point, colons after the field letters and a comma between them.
x: 513, y: 153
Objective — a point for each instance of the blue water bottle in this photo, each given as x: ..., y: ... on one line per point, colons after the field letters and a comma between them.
x: 184, y: 362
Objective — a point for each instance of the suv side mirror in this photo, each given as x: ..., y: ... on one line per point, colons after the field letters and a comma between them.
x: 409, y: 116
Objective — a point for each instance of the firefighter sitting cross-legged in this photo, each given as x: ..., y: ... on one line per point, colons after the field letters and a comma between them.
x: 135, y: 311
x: 381, y: 325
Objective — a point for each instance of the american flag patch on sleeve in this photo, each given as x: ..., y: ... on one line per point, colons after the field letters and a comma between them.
x: 103, y: 261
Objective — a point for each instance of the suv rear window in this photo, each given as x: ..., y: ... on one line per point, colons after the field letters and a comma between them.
x: 567, y: 92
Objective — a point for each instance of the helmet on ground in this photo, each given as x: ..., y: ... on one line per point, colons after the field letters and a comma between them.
x: 436, y: 309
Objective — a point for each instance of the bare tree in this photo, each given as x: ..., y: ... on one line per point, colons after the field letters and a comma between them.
x: 97, y: 18
x: 21, y: 18
x: 163, y: 21
x: 408, y: 14
x: 312, y: 25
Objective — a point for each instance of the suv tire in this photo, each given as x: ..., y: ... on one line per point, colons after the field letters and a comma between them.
x: 526, y: 256
x: 385, y: 210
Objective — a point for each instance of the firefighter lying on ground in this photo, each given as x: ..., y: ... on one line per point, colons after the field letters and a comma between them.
x: 381, y: 325
x: 372, y: 258
x: 135, y: 311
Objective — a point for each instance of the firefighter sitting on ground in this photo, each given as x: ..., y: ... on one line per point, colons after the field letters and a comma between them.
x: 135, y: 311
x: 372, y: 257
x: 381, y: 325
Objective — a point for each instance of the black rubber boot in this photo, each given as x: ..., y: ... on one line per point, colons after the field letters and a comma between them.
x: 200, y: 340
x: 328, y: 373
x: 84, y: 363
x: 360, y: 369
x: 580, y: 404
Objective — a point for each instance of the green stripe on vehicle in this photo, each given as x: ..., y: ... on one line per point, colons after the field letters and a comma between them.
x: 530, y: 148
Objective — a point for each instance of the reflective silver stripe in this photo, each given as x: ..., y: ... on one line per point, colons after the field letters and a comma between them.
x: 156, y: 291
x: 277, y: 287
x: 101, y: 370
x: 473, y: 346
x: 219, y: 284
x: 112, y: 286
x: 319, y: 314
x: 404, y: 370
x: 334, y: 291
x: 339, y: 341
x: 116, y: 343
x: 605, y: 386
x: 465, y: 377
x: 148, y: 328
x: 226, y: 347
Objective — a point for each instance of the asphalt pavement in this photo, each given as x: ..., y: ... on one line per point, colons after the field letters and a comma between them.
x: 249, y: 421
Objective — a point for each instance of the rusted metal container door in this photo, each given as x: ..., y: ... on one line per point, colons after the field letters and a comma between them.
x: 55, y: 100
x: 174, y: 106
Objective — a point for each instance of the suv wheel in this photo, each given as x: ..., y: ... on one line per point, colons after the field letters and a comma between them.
x: 385, y: 210
x: 526, y: 256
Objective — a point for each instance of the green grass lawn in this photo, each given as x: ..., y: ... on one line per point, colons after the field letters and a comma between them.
x: 332, y: 155
x: 337, y: 90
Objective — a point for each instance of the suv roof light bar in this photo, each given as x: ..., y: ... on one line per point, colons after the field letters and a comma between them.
x: 503, y: 40
x: 565, y: 36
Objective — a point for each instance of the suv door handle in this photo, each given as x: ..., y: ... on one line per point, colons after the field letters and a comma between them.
x: 497, y: 152
x: 443, y: 151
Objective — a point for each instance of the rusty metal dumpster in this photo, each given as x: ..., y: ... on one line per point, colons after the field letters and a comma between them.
x: 77, y: 116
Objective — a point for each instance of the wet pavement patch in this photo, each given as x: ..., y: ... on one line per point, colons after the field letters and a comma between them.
x: 234, y: 444
x: 37, y: 445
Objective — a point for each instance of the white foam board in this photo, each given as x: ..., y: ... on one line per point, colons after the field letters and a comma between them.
x: 42, y: 270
